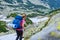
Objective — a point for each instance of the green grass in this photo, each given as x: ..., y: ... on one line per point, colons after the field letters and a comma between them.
x: 2, y: 26
x: 54, y: 12
x: 58, y: 27
x: 53, y: 33
x: 33, y: 15
x: 12, y: 15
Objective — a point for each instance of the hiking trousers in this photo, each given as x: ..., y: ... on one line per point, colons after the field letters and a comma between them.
x: 19, y: 34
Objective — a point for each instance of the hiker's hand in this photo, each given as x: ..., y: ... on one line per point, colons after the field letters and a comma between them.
x: 24, y: 29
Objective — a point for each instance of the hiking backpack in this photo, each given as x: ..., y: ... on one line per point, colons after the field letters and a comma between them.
x: 17, y: 21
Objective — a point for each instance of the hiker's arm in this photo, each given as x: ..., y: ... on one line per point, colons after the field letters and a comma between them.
x: 23, y: 24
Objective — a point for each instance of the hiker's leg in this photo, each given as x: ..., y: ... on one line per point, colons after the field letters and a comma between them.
x: 17, y: 35
x: 21, y: 34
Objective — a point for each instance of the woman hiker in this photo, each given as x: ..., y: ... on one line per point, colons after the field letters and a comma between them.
x: 20, y: 31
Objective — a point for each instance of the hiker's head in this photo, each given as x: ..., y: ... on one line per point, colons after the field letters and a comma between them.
x: 23, y: 15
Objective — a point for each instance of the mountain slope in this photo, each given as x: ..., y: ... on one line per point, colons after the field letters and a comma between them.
x: 28, y: 6
x: 52, y: 29
x: 54, y: 4
x: 9, y: 6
